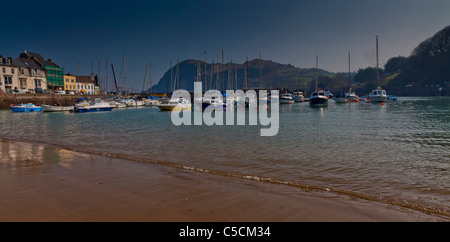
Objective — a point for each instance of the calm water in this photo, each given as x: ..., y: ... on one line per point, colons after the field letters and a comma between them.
x: 396, y: 153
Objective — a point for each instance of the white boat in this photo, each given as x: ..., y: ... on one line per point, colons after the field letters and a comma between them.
x: 176, y: 104
x: 286, y: 98
x: 350, y: 95
x: 298, y: 97
x: 134, y: 103
x: 151, y: 102
x: 215, y: 102
x: 378, y: 95
x: 56, y: 108
x: 92, y: 106
x: 340, y: 98
x: 318, y: 97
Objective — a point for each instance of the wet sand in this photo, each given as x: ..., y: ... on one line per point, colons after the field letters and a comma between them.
x: 44, y: 183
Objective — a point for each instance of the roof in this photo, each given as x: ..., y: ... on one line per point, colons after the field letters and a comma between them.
x: 47, y: 63
x: 19, y: 62
x: 85, y: 79
x: 28, y: 55
x: 3, y: 62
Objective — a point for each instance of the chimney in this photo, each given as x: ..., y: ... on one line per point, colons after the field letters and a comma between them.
x: 50, y: 60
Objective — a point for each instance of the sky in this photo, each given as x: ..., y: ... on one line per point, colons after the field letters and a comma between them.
x: 81, y: 33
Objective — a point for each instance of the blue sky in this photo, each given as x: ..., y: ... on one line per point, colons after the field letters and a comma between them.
x: 285, y: 31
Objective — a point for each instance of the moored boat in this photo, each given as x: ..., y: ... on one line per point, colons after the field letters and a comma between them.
x: 151, y: 102
x: 175, y: 104
x: 340, y: 98
x: 286, y: 98
x: 378, y: 95
x: 25, y: 108
x: 318, y: 98
x: 56, y: 108
x: 298, y: 97
x: 134, y: 103
x: 96, y: 105
x: 215, y: 102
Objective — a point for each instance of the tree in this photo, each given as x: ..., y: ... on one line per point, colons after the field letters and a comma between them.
x: 396, y: 64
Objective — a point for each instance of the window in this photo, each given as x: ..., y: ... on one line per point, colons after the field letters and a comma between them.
x: 23, y: 71
x: 37, y: 83
x: 8, y: 80
x: 4, y: 70
x: 12, y: 70
x: 67, y: 79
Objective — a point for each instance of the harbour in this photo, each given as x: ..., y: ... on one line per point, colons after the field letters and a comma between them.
x: 212, y: 111
x: 394, y: 153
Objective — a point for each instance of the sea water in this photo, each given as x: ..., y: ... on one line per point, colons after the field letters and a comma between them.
x: 397, y: 152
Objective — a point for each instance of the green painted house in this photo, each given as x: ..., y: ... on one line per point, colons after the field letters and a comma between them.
x: 53, y: 72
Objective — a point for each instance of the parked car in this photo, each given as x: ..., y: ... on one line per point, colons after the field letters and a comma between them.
x: 1, y: 91
x: 19, y: 91
x: 40, y: 90
x: 71, y: 92
x: 60, y: 92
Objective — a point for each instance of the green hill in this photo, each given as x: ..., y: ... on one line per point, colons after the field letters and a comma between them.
x: 265, y: 73
x: 426, y: 71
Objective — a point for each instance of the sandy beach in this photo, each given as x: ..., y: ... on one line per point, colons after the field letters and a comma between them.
x: 43, y: 183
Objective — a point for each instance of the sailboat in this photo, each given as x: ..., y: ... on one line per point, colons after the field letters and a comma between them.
x: 378, y: 95
x: 318, y: 97
x: 349, y: 96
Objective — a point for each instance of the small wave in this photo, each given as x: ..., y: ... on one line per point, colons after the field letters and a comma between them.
x: 425, y: 208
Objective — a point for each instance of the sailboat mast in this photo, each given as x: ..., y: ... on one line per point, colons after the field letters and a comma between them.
x: 98, y: 77
x: 212, y: 74
x: 177, y: 78
x: 317, y: 72
x: 146, y: 77
x: 378, y: 73
x: 223, y: 74
x: 235, y: 76
x: 125, y: 68
x: 349, y: 78
x: 78, y: 71
x: 107, y: 84
x: 206, y: 77
x: 151, y: 87
x: 171, y: 84
x: 260, y: 70
x: 232, y: 76
x: 246, y: 74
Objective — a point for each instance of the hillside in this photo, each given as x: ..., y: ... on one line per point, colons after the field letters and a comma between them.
x: 230, y: 75
x: 426, y: 71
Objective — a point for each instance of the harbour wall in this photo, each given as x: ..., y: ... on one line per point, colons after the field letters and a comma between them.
x: 38, y: 99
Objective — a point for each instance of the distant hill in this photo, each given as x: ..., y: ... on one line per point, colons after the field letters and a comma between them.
x: 426, y: 70
x: 230, y: 75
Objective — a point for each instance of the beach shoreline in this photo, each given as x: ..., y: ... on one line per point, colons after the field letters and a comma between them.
x: 62, y: 185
